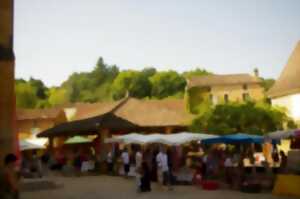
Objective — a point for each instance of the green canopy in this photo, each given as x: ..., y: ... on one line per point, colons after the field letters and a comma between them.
x: 77, y: 140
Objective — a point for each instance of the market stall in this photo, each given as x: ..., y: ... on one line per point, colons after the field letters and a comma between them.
x: 288, y: 182
x: 235, y: 139
x: 33, y: 143
x: 168, y: 139
x: 284, y: 134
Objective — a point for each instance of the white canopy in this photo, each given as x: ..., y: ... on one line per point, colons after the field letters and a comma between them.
x: 169, y: 139
x: 33, y: 143
x: 278, y: 135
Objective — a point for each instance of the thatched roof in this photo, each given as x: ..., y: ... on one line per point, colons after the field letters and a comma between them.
x: 214, y: 80
x: 155, y: 113
x: 288, y: 82
x: 89, y: 126
x: 34, y: 114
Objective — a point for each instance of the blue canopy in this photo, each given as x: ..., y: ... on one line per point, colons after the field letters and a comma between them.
x: 235, y: 139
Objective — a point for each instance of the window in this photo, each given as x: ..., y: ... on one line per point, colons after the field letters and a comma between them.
x: 209, y: 89
x: 245, y: 87
x: 226, y: 98
x: 246, y: 96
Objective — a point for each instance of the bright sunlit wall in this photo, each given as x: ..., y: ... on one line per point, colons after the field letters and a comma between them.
x: 291, y: 103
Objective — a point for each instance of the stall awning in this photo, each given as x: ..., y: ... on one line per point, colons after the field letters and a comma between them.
x: 78, y: 140
x: 169, y: 139
x: 34, y: 143
x: 280, y: 135
x: 235, y: 139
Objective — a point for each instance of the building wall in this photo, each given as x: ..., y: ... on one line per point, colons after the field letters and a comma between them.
x: 235, y: 92
x: 215, y: 94
x: 26, y: 128
x: 291, y: 103
x: 70, y: 113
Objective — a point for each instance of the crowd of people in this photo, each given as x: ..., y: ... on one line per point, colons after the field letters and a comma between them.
x: 143, y: 174
x: 164, y: 165
x: 156, y: 163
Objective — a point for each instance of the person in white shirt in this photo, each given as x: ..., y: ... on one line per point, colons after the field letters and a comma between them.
x: 228, y: 164
x: 126, y: 162
x: 138, y: 159
x: 138, y: 167
x: 163, y: 168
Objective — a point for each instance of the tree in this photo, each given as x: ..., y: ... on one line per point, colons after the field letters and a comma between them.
x: 58, y: 96
x: 196, y: 72
x: 103, y: 72
x: 240, y: 118
x: 165, y: 84
x: 25, y: 95
x: 135, y: 83
x: 39, y: 88
x: 91, y: 86
x: 148, y: 72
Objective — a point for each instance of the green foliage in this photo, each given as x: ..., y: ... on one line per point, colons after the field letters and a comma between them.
x: 31, y: 94
x: 245, y: 118
x: 135, y: 83
x: 25, y: 95
x: 91, y: 86
x: 196, y: 72
x: 166, y: 84
x: 267, y: 83
x: 198, y: 100
x: 58, y: 96
x: 39, y: 88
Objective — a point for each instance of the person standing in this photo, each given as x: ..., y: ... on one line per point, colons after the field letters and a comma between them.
x: 283, y: 162
x: 36, y: 165
x: 163, y: 168
x: 110, y: 164
x: 228, y: 165
x: 145, y: 178
x: 9, y: 183
x: 126, y: 162
x: 138, y: 167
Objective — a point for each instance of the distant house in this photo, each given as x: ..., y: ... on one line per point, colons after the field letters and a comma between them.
x: 286, y: 90
x: 32, y: 121
x: 224, y: 88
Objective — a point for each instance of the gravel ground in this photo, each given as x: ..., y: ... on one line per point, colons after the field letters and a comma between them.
x: 106, y: 187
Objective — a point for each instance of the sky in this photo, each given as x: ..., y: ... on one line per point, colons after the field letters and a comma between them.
x: 55, y: 38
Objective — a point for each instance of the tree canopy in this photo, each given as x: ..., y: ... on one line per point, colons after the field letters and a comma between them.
x: 167, y: 83
x: 247, y: 117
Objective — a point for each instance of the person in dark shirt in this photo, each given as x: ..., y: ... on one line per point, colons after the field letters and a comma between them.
x: 283, y: 162
x: 154, y: 166
x: 146, y: 178
x: 9, y: 182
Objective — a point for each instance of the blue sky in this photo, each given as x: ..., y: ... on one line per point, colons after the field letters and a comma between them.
x: 55, y: 38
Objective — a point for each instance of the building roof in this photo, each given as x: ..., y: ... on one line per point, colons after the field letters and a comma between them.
x: 89, y: 126
x: 155, y: 113
x: 88, y: 110
x: 288, y: 82
x: 124, y: 115
x: 214, y: 80
x: 33, y: 114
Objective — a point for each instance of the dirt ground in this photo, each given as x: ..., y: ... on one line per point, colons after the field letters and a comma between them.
x: 106, y: 187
